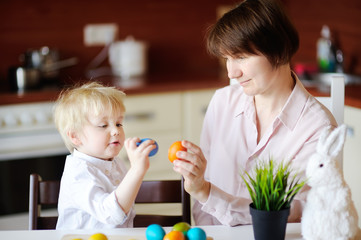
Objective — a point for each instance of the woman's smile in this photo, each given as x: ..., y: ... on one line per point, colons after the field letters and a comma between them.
x: 245, y: 82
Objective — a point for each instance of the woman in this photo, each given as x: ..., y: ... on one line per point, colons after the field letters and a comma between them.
x: 267, y: 114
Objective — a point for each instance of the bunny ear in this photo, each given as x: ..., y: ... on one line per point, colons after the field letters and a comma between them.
x: 335, y: 141
x: 321, y: 144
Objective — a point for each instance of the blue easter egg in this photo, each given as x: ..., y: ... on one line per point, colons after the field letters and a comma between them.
x: 154, y: 232
x: 154, y: 151
x: 196, y: 234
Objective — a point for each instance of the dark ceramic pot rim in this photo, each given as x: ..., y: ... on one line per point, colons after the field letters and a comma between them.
x: 257, y: 210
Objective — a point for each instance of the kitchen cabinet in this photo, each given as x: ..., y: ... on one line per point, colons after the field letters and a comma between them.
x: 194, y: 108
x: 352, y: 153
x: 166, y: 118
x: 156, y: 116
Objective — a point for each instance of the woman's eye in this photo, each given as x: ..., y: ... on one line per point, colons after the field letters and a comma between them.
x: 103, y: 126
x: 119, y: 125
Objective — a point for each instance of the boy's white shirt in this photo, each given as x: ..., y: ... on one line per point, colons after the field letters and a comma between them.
x: 87, y: 194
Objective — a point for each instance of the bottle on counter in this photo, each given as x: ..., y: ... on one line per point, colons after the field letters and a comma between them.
x: 326, y: 53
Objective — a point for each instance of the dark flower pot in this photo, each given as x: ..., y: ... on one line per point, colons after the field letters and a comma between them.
x: 269, y: 225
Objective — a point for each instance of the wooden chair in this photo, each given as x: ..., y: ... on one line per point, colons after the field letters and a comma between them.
x: 336, y: 103
x: 165, y: 191
x: 42, y: 193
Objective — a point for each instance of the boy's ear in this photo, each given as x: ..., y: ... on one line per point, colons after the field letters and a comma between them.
x: 74, y: 138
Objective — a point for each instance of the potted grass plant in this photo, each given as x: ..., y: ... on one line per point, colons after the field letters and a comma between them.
x: 272, y: 188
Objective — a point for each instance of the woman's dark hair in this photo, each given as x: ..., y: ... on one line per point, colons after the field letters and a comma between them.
x: 255, y: 27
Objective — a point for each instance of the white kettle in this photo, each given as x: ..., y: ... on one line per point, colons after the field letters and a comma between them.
x: 128, y: 58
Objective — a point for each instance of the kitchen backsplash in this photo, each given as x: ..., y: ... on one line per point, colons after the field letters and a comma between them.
x: 175, y: 31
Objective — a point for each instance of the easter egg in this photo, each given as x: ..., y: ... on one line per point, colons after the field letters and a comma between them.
x: 154, y: 151
x: 173, y: 149
x: 98, y: 236
x: 154, y: 232
x: 174, y: 235
x: 182, y: 227
x: 196, y: 234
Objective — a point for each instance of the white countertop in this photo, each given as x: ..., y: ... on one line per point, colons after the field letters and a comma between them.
x: 216, y: 232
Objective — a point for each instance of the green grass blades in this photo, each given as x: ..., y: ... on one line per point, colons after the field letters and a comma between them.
x: 272, y: 186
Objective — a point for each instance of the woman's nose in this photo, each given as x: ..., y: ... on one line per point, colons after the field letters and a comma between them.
x: 234, y: 70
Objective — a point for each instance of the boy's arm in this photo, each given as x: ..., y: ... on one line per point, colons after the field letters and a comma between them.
x: 128, y: 189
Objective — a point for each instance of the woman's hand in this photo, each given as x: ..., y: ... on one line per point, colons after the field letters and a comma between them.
x: 192, y: 166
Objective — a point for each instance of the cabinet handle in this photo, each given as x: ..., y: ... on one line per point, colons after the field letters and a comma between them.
x: 350, y: 131
x: 204, y: 110
x: 140, y: 116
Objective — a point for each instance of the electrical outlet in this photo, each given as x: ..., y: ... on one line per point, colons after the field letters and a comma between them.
x: 100, y: 34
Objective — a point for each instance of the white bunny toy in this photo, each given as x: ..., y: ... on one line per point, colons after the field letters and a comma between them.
x: 329, y: 212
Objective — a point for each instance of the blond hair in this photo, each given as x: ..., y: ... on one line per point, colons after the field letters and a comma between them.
x: 73, y: 106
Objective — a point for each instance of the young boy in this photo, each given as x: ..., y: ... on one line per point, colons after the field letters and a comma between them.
x: 96, y: 190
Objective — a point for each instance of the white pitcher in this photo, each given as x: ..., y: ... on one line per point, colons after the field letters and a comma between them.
x: 128, y: 58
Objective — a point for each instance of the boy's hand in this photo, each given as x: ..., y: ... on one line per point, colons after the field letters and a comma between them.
x: 154, y: 151
x: 138, y: 155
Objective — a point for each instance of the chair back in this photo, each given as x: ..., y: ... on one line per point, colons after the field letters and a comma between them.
x: 164, y: 191
x: 42, y: 193
x: 46, y: 193
x: 336, y: 101
x: 336, y: 104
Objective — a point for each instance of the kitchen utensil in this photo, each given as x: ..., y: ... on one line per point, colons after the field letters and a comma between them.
x: 128, y: 58
x: 47, y: 61
x: 23, y: 78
